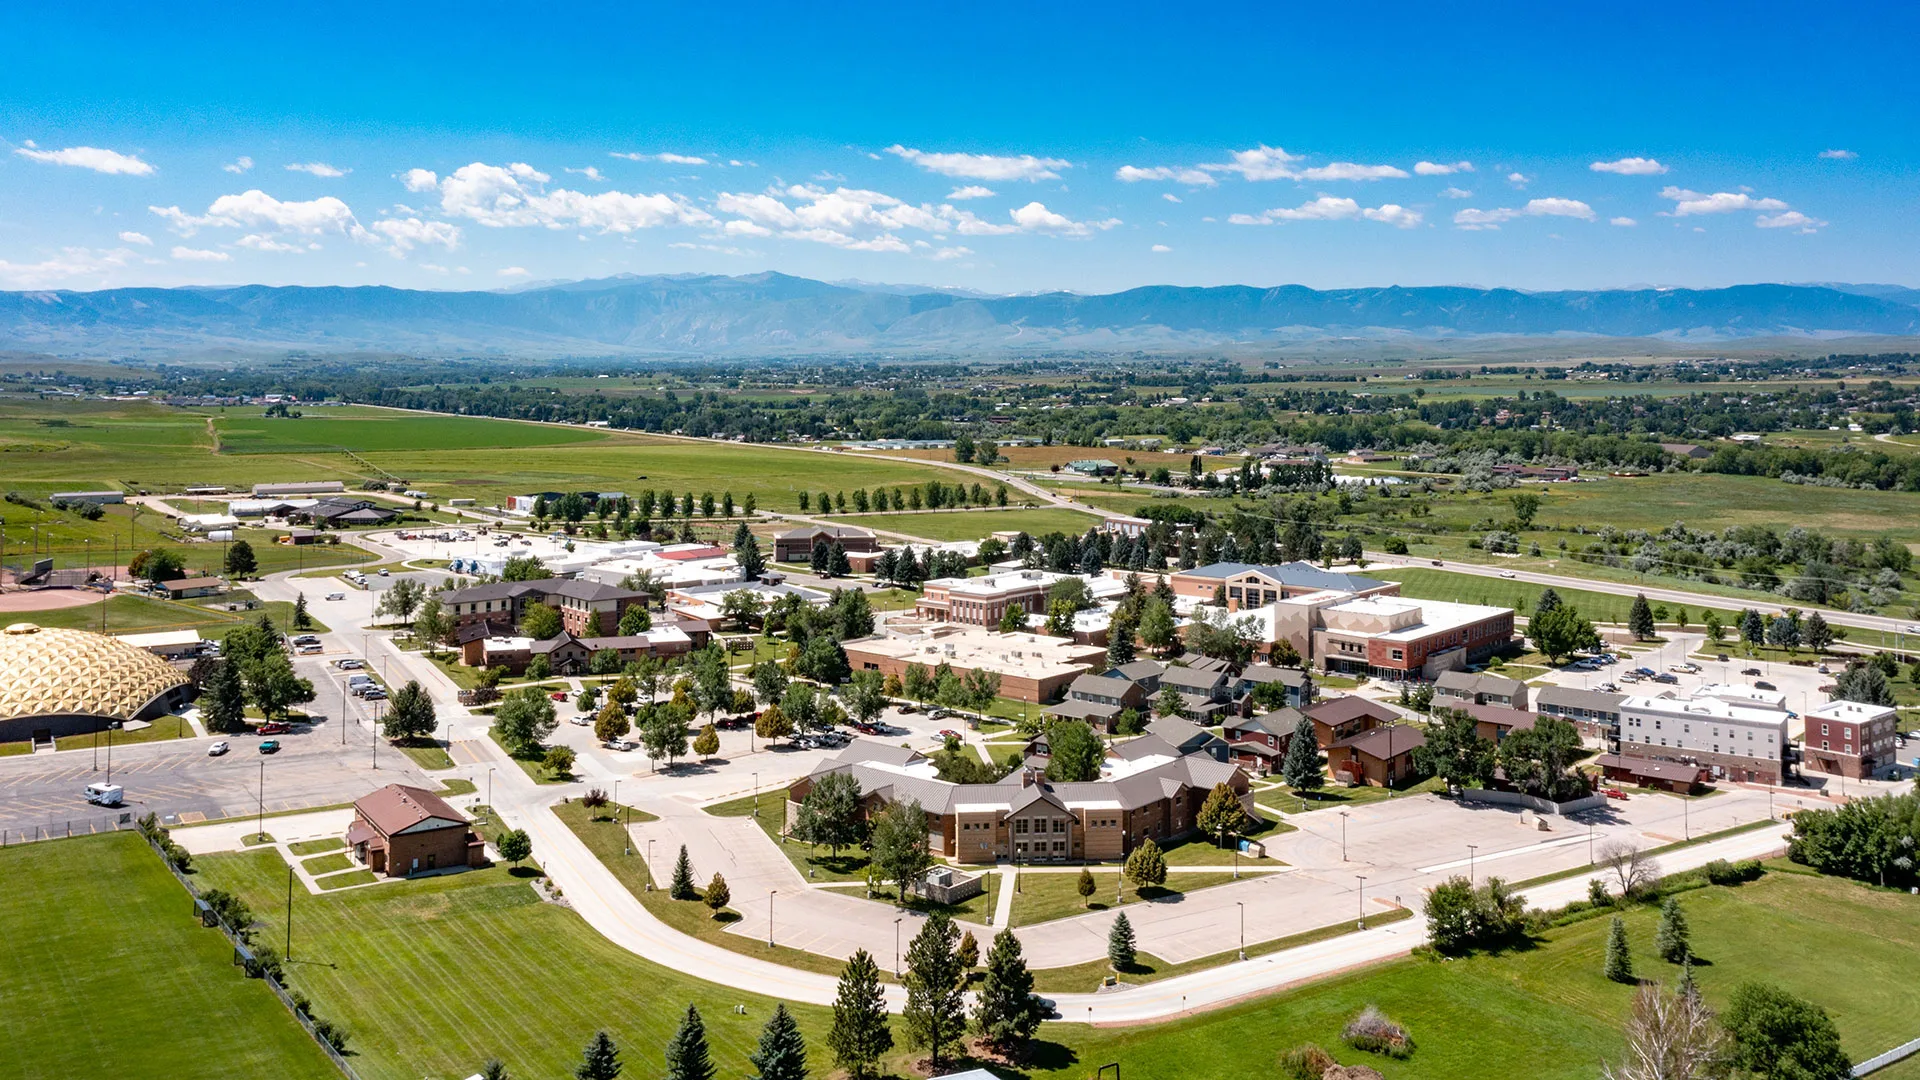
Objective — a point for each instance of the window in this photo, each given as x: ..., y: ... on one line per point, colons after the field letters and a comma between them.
x: 1823, y: 729
x: 1020, y: 825
x: 1059, y: 825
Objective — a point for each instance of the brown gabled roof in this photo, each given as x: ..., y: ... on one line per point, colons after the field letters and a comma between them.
x: 1335, y: 711
x: 399, y: 807
x: 1384, y: 743
x: 1498, y: 715
x: 1651, y: 769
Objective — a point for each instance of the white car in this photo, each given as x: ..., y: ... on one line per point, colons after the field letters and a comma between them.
x: 583, y: 719
x: 623, y: 744
x: 216, y: 749
x: 336, y: 596
x: 1506, y: 573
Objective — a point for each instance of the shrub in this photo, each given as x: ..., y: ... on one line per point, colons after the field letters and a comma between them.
x: 594, y: 799
x: 1376, y: 1033
x: 1722, y: 872
x: 331, y: 1033
x: 1305, y: 1062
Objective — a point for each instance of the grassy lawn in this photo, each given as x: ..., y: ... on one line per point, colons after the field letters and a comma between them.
x: 457, y: 786
x: 530, y: 763
x: 1287, y: 801
x: 1201, y: 851
x: 1520, y: 595
x: 977, y: 524
x: 78, y: 952
x: 1084, y: 978
x: 429, y: 754
x: 316, y: 847
x: 816, y: 864
x: 346, y: 880
x: 161, y: 730
x: 327, y: 864
x: 1048, y: 895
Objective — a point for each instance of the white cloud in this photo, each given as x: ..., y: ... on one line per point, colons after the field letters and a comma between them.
x: 665, y: 159
x: 318, y: 168
x: 1035, y: 217
x: 1324, y: 208
x: 1623, y: 222
x: 131, y: 237
x: 746, y: 228
x: 512, y: 271
x: 1791, y: 219
x: 983, y: 166
x: 1839, y: 155
x: 1263, y: 162
x: 187, y: 254
x: 514, y: 195
x: 88, y: 157
x: 74, y: 265
x: 1519, y: 179
x: 261, y: 242
x: 405, y: 234
x: 1347, y: 170
x: 1169, y: 196
x: 1395, y: 215
x: 861, y: 220
x: 1432, y: 168
x: 1630, y: 166
x: 1160, y: 249
x: 256, y: 209
x: 948, y: 254
x: 238, y: 165
x: 1475, y: 219
x: 1688, y: 203
x: 1133, y: 174
x: 971, y: 191
x: 420, y: 180
x: 1456, y: 193
x: 591, y: 172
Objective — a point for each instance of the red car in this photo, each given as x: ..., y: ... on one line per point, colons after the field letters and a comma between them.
x: 274, y: 728
x: 558, y: 695
x: 1614, y: 793
x: 949, y: 733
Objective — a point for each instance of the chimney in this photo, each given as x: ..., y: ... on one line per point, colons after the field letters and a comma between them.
x: 1027, y: 777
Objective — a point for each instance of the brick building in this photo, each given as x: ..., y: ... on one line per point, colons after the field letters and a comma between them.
x: 796, y: 545
x: 1249, y: 585
x: 587, y: 608
x: 1031, y: 667
x: 1849, y: 738
x: 1742, y: 742
x: 400, y: 831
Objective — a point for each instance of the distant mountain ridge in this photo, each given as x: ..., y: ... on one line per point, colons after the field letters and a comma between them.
x: 776, y: 314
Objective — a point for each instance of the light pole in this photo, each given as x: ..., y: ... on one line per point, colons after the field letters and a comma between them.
x: 771, y: 893
x: 649, y: 864
x: 1343, y: 836
x: 1686, y: 811
x: 896, y: 948
x: 489, y: 791
x: 756, y: 794
x: 1471, y: 849
x: 1363, y: 900
x: 1590, y: 857
x: 1243, y: 927
x: 289, y: 911
x: 260, y: 822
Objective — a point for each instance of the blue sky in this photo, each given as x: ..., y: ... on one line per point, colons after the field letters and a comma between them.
x: 1002, y: 147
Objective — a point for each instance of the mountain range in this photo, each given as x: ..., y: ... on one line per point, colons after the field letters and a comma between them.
x: 771, y: 314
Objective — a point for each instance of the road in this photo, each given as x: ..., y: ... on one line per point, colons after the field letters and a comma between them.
x: 1654, y: 593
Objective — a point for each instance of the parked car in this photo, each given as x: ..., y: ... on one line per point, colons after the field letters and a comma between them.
x: 623, y: 745
x: 1750, y: 671
x: 1824, y: 670
x: 350, y: 663
x: 949, y: 733
x: 1049, y: 1010
x: 908, y: 707
x: 105, y: 794
x: 581, y: 719
x: 1614, y: 793
x: 558, y: 695
x: 1666, y: 677
x: 384, y: 572
x: 336, y: 596
x: 373, y: 693
x: 1644, y: 671
x: 306, y: 639
x: 308, y: 650
x: 1764, y: 686
x: 272, y: 727
x: 216, y: 749
x: 270, y: 746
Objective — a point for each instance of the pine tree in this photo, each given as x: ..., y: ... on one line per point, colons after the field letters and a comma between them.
x: 783, y: 1053
x: 600, y: 1060
x: 1619, y: 961
x: 936, y: 1011
x: 1004, y: 1011
x: 1549, y: 600
x: 682, y: 888
x: 1670, y: 939
x: 301, y: 619
x: 1640, y: 617
x: 968, y: 952
x: 493, y: 1070
x: 223, y: 701
x: 687, y: 1055
x: 859, y: 1035
x: 1121, y: 949
x: 1301, y: 767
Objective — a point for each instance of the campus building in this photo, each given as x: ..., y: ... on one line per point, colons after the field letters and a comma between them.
x: 1031, y: 667
x: 570, y: 655
x: 1248, y: 585
x: 796, y: 545
x: 400, y: 831
x: 57, y: 682
x: 587, y: 608
x: 983, y: 601
x: 1849, y: 738
x: 1383, y: 636
x: 1594, y: 713
x: 1741, y: 742
x: 1147, y: 788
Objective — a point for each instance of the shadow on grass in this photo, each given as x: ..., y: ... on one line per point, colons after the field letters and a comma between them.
x: 1042, y: 1057
x: 525, y: 872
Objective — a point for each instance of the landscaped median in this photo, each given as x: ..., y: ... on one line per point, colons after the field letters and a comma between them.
x: 1045, y: 895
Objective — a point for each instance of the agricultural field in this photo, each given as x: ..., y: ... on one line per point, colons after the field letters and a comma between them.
x: 365, y: 430
x: 1023, y: 458
x: 123, y: 981
x: 976, y: 524
x: 1520, y: 595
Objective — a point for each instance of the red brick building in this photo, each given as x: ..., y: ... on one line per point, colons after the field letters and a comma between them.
x: 587, y: 608
x: 400, y: 831
x: 1849, y: 738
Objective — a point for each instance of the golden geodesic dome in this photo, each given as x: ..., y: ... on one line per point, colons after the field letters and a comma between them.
x: 46, y: 671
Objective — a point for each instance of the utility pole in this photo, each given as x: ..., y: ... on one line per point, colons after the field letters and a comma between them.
x: 1363, y: 901
x: 289, y: 911
x: 260, y: 822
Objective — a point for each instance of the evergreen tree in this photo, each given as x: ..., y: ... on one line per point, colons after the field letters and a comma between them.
x: 302, y: 619
x: 223, y: 701
x: 241, y: 561
x: 1619, y: 960
x: 782, y: 1054
x: 859, y: 1035
x: 687, y: 1055
x: 1670, y: 939
x: 1004, y: 1011
x: 967, y: 952
x: 1120, y: 646
x: 600, y: 1060
x: 682, y: 888
x: 936, y: 1010
x: 1301, y: 767
x: 1818, y: 635
x: 493, y: 1070
x: 1121, y: 949
x: 1640, y: 617
x: 1549, y: 599
x: 1752, y: 627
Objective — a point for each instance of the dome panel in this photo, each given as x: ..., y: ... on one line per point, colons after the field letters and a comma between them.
x: 47, y: 671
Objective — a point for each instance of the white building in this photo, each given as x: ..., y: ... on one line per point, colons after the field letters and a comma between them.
x: 1736, y: 741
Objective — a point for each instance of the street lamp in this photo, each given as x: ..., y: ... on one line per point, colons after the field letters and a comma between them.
x: 896, y: 948
x: 756, y: 794
x: 1243, y: 928
x: 1363, y: 901
x: 1343, y: 836
x: 771, y: 893
x: 1471, y: 849
x: 260, y: 822
x: 489, y: 791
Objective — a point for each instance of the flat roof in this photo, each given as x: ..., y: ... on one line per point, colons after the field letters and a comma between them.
x: 161, y: 638
x: 1707, y: 708
x: 1022, y: 655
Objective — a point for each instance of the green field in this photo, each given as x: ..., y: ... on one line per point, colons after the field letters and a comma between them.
x: 123, y: 981
x: 491, y: 961
x: 977, y: 524
x: 1520, y: 595
x: 368, y: 429
x: 1042, y: 897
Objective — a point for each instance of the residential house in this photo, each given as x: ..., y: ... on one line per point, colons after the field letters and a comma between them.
x: 1298, y: 683
x: 1205, y: 694
x: 1479, y: 688
x: 1377, y: 757
x: 400, y: 831
x: 1187, y: 737
x: 1338, y: 718
x: 1259, y: 744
